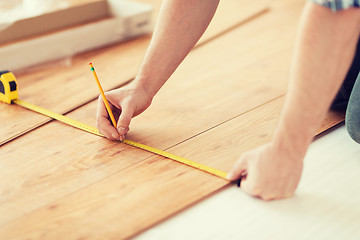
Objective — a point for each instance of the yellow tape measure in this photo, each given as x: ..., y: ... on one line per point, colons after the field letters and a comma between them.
x: 9, y: 94
x: 93, y: 130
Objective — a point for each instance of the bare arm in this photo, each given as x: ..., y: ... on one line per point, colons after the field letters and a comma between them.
x: 324, y: 49
x: 323, y: 54
x: 179, y: 26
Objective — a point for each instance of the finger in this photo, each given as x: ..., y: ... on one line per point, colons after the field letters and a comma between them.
x: 253, y: 186
x: 247, y: 187
x: 101, y: 111
x: 238, y: 170
x: 107, y: 129
x: 283, y: 188
x: 124, y: 121
x: 103, y: 123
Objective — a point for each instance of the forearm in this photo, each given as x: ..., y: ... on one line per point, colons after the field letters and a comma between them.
x: 179, y: 26
x: 323, y: 54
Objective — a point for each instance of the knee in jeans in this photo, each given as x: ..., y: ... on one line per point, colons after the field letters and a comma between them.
x: 353, y: 128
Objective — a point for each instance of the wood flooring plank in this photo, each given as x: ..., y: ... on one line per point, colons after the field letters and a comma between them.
x: 60, y: 88
x: 54, y: 161
x: 229, y: 14
x: 115, y: 207
x: 333, y: 118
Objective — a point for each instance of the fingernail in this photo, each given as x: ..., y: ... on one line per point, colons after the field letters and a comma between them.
x: 122, y: 130
x: 122, y: 137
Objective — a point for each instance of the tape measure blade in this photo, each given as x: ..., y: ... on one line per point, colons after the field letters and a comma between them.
x: 59, y: 117
x: 93, y: 130
x: 185, y: 161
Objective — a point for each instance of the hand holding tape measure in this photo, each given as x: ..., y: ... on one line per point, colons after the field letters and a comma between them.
x: 9, y: 94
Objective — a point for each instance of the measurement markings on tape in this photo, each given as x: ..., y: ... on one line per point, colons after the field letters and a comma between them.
x: 9, y: 94
x: 93, y: 130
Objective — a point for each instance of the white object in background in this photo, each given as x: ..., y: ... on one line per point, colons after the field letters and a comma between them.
x: 36, y: 7
x: 129, y: 19
x: 14, y: 10
x: 10, y: 11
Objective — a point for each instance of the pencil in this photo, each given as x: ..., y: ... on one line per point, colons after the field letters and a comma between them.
x: 103, y: 96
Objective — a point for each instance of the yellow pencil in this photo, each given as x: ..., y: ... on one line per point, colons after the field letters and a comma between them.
x: 103, y: 96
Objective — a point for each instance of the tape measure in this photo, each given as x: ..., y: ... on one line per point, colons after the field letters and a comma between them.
x: 9, y: 94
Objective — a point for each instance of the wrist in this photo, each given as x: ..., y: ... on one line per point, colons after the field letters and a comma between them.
x: 293, y: 143
x: 151, y: 84
x: 143, y: 86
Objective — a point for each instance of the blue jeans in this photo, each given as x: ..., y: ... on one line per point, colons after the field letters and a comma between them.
x: 352, y: 119
x: 348, y: 98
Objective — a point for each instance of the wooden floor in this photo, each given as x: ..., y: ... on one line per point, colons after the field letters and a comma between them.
x: 62, y: 183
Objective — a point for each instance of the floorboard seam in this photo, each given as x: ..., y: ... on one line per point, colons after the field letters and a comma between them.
x: 230, y: 119
x: 233, y: 27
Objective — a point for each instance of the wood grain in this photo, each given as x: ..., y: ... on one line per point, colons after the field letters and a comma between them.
x: 117, y: 207
x: 60, y: 86
x: 170, y: 120
x: 54, y: 161
x: 136, y: 198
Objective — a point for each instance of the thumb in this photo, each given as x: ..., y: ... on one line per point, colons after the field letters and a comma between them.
x: 238, y: 170
x: 124, y: 121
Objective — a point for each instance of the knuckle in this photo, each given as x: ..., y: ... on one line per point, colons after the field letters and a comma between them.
x: 253, y: 191
x: 267, y: 197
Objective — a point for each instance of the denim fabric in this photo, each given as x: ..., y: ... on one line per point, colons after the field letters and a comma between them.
x: 348, y: 98
x: 352, y: 118
x: 342, y: 98
x: 337, y: 5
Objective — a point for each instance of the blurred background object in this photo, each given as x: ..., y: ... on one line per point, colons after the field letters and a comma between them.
x: 38, y: 31
x: 13, y: 10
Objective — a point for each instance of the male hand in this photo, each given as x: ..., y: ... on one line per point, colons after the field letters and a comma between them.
x: 125, y: 103
x: 268, y: 172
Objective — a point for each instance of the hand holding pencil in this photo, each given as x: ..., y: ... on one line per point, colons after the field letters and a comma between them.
x: 123, y: 103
